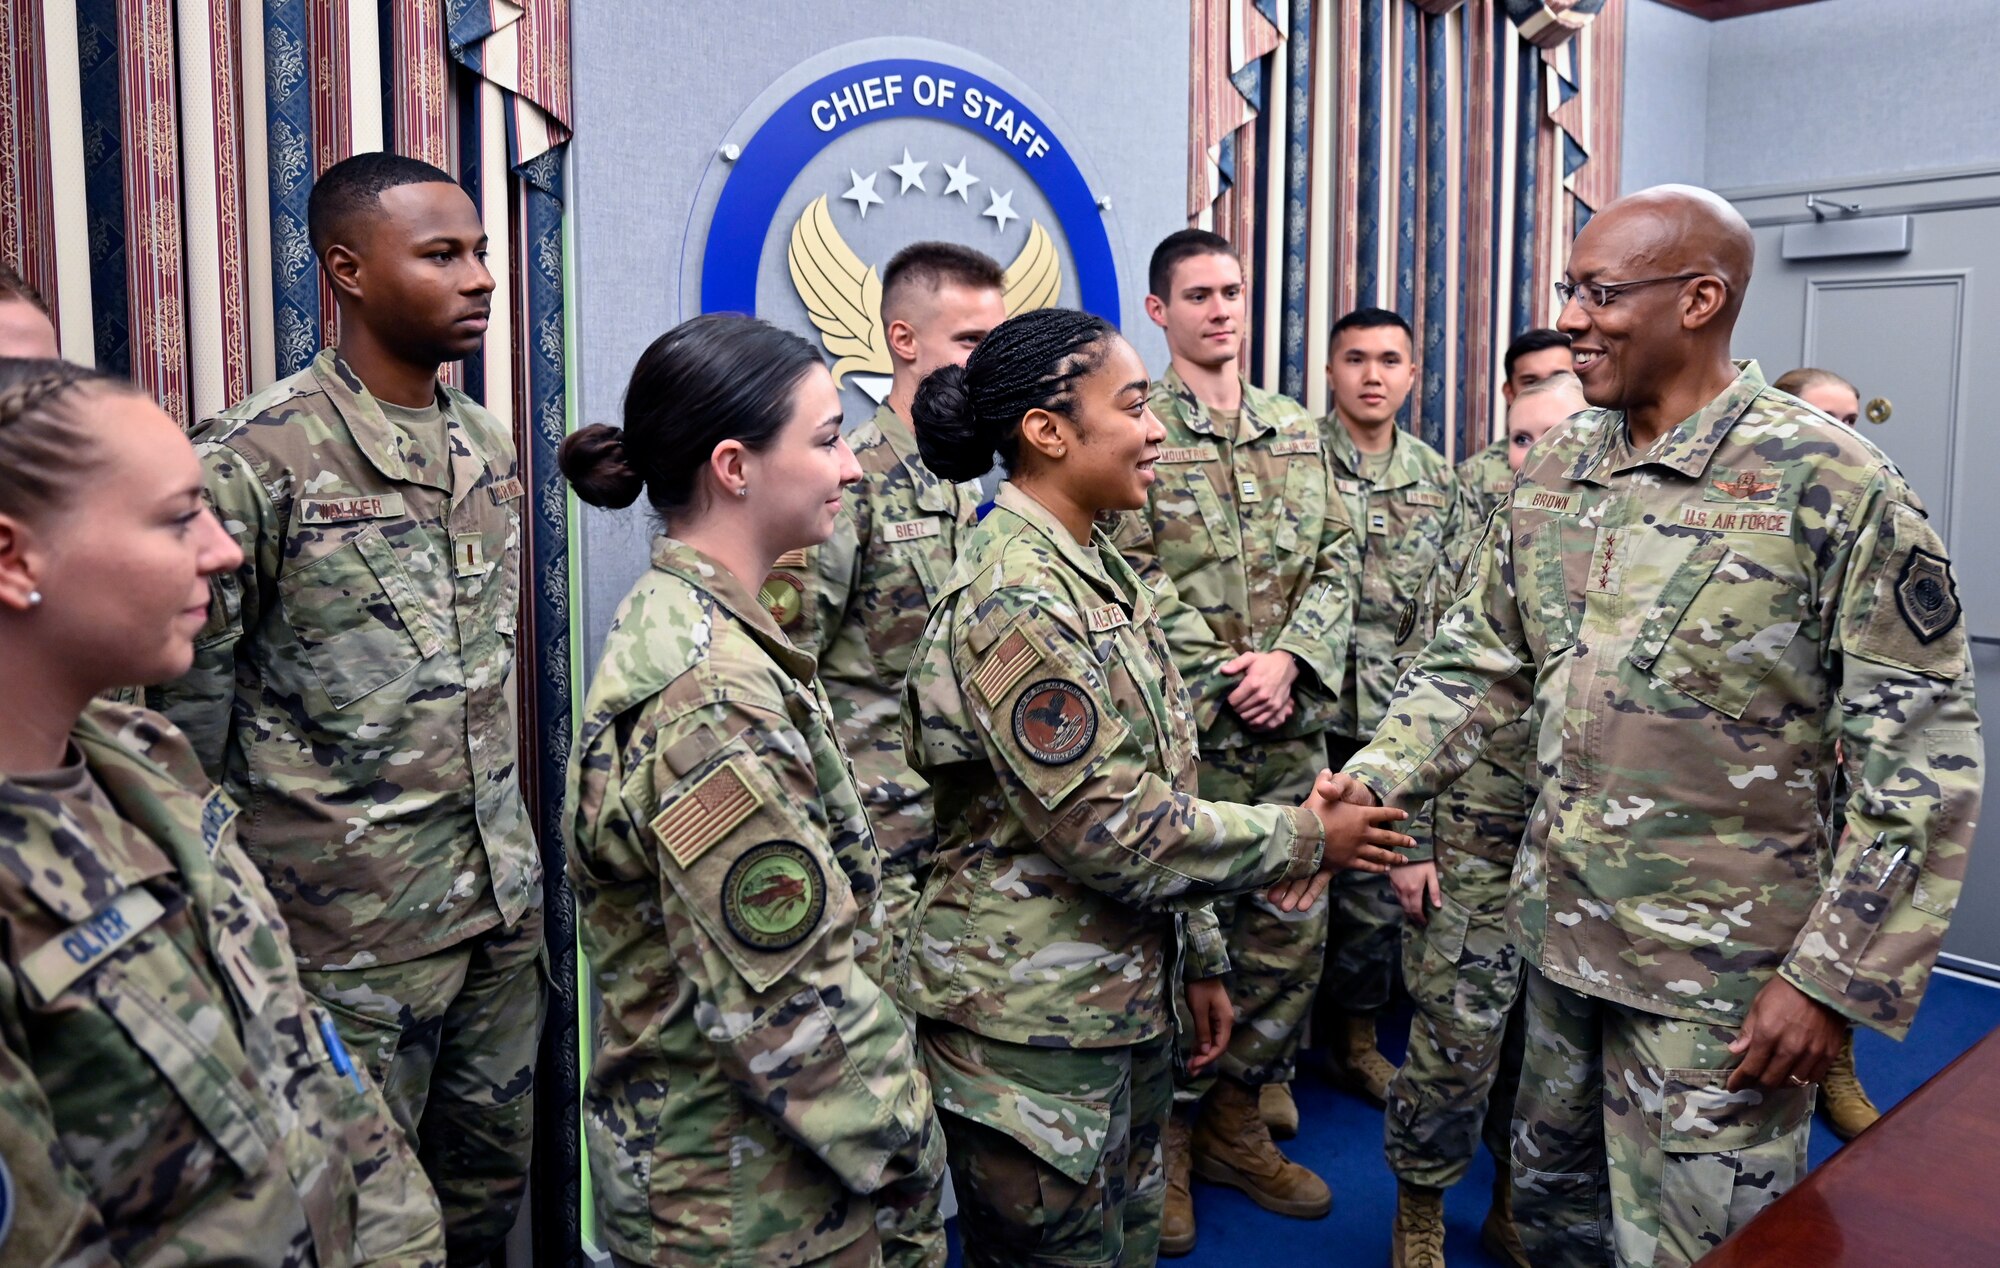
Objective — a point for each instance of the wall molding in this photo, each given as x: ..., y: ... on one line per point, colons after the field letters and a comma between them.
x: 1899, y: 194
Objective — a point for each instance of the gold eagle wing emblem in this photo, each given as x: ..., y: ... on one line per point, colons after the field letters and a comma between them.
x: 842, y: 295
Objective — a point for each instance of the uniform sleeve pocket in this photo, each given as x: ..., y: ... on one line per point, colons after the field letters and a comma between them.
x: 749, y: 864
x: 357, y: 617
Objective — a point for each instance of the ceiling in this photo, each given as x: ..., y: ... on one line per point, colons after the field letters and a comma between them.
x: 1717, y: 10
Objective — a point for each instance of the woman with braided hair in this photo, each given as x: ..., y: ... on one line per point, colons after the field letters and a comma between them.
x: 1043, y: 707
x: 168, y: 1091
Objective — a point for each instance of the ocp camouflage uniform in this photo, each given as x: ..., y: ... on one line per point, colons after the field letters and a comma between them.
x: 1458, y: 1081
x: 1696, y: 628
x: 168, y: 1091
x: 1044, y: 708
x: 353, y: 693
x: 1404, y: 520
x: 859, y: 603
x: 1245, y: 524
x: 754, y: 1098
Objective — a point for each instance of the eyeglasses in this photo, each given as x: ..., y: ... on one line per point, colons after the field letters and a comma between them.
x: 1598, y: 294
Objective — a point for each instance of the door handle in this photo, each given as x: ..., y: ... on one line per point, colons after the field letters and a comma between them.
x: 1879, y: 409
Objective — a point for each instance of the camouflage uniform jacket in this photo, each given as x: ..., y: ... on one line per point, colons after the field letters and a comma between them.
x: 1405, y: 523
x: 1044, y: 708
x: 167, y: 1090
x: 353, y: 689
x: 1260, y: 551
x: 859, y: 603
x: 751, y: 1076
x: 1482, y: 810
x: 1695, y: 629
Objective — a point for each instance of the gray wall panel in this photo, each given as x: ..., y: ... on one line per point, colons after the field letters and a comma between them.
x: 1666, y: 97
x: 658, y: 85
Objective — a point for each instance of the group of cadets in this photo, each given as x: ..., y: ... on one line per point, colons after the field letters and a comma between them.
x: 1035, y: 840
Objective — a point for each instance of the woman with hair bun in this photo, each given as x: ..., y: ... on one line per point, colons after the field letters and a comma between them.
x: 1043, y: 707
x: 754, y: 1097
x: 169, y: 1092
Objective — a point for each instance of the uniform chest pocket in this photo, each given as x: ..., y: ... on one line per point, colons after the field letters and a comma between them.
x: 1720, y: 626
x: 1187, y: 504
x: 357, y: 616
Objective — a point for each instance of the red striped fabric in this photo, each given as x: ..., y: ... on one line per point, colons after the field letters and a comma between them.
x: 226, y: 88
x: 153, y: 245
x: 27, y: 229
x: 332, y: 140
x: 423, y: 100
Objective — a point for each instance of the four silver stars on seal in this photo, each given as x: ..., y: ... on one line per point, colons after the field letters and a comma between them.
x: 910, y: 172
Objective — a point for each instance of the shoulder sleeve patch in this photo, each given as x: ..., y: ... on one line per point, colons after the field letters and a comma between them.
x: 1002, y: 667
x: 1914, y: 620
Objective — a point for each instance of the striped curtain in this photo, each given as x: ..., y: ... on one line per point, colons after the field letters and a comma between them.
x: 1431, y: 156
x: 155, y: 161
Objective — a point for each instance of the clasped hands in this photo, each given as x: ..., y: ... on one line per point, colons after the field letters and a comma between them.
x: 1357, y: 839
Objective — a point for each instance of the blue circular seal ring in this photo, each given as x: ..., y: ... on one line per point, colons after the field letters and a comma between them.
x: 788, y: 140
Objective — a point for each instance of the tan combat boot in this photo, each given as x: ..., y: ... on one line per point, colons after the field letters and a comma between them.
x: 1233, y: 1147
x: 1177, y: 1216
x: 1418, y: 1241
x: 1845, y: 1101
x: 1355, y: 1066
x: 1500, y: 1237
x: 1278, y: 1110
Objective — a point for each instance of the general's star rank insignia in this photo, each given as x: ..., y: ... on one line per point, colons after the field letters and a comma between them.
x: 1054, y: 722
x: 1927, y: 596
x: 773, y: 896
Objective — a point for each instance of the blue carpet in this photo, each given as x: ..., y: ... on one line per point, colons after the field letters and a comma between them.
x: 1341, y: 1138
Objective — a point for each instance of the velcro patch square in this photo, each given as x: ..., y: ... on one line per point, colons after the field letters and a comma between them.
x: 1108, y: 617
x: 1187, y: 453
x: 507, y: 490
x: 1424, y: 497
x: 1544, y: 500
x: 705, y: 813
x: 1004, y: 666
x: 374, y: 506
x: 1296, y: 445
x: 57, y: 965
x: 912, y: 530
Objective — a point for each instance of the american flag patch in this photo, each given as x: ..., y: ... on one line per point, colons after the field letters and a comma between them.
x: 1004, y: 666
x: 705, y: 813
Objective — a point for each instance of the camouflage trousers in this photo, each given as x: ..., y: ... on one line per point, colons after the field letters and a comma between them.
x: 1274, y: 956
x: 1627, y: 1147
x: 1055, y: 1152
x: 1363, y: 929
x: 451, y: 1040
x: 1458, y: 1082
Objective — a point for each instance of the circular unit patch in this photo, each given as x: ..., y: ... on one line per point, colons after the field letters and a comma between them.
x: 1054, y: 722
x: 773, y: 896
x: 784, y: 597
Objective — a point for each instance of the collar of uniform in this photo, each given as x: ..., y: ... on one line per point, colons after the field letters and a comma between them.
x: 1402, y: 468
x: 1191, y: 413
x: 672, y: 555
x: 372, y: 432
x: 1687, y: 448
x: 902, y: 441
x: 1084, y: 559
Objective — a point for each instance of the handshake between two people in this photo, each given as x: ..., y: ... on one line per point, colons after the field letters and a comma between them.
x: 1358, y: 839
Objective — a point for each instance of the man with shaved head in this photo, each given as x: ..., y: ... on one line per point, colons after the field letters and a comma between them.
x: 1708, y: 596
x: 859, y: 601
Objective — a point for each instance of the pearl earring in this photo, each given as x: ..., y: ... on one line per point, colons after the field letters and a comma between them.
x: 34, y: 598
x: 743, y: 492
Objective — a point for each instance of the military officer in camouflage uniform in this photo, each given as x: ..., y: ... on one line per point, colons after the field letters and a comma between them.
x: 1714, y: 600
x: 1244, y: 530
x: 1487, y: 477
x: 1406, y: 509
x: 754, y: 1098
x: 1461, y: 965
x: 354, y: 689
x: 859, y: 601
x: 1044, y: 708
x: 169, y: 1094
